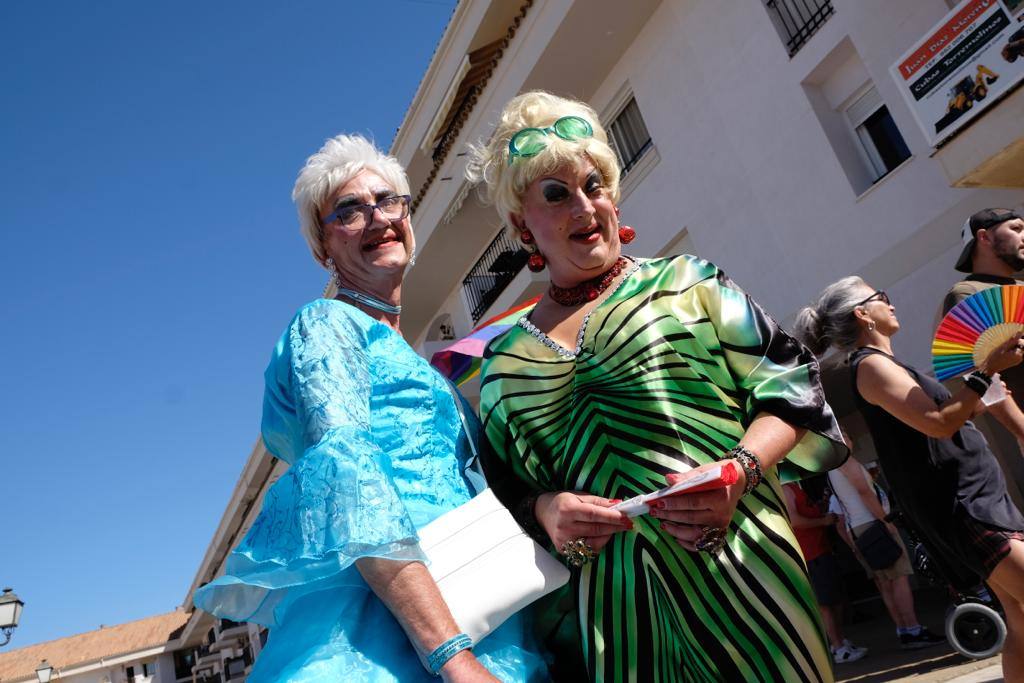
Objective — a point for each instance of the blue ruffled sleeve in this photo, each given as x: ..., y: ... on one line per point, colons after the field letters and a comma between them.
x: 337, y: 502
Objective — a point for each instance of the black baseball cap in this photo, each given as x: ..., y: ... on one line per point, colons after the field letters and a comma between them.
x: 986, y: 218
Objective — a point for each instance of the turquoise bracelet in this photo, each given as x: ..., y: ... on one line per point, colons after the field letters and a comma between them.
x: 446, y: 650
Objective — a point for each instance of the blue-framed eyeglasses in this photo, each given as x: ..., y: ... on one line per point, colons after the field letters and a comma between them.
x: 358, y: 216
x: 530, y: 142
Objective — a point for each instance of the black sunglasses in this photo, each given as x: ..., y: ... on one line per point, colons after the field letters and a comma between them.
x: 879, y: 295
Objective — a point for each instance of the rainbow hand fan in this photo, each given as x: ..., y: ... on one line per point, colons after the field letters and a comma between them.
x: 976, y: 327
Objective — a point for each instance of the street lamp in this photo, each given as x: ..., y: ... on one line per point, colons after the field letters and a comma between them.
x: 44, y: 671
x: 10, y: 612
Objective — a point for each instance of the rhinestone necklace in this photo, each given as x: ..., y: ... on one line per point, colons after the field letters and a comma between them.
x: 588, y: 290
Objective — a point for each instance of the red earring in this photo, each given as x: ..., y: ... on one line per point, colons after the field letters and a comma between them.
x: 536, y: 260
x: 626, y: 234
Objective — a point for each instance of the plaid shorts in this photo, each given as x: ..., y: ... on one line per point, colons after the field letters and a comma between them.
x: 991, y: 545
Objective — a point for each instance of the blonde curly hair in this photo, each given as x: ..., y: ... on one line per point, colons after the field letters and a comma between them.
x: 505, y: 183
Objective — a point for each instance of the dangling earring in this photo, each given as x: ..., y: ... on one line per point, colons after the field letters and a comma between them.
x: 536, y: 261
x: 412, y: 258
x: 871, y: 327
x: 626, y: 234
x: 334, y: 271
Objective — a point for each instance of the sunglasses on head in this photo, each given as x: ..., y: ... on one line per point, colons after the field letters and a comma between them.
x: 878, y: 295
x: 530, y: 142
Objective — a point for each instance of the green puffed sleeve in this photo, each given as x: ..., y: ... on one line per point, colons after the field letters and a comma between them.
x: 775, y: 374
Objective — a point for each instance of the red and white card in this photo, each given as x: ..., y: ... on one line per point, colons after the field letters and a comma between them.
x: 720, y: 476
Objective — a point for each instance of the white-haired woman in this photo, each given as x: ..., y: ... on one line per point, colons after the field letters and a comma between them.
x: 625, y: 374
x: 944, y: 478
x: 376, y: 449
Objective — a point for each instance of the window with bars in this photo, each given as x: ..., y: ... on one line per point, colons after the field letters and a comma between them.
x: 798, y: 20
x: 491, y: 274
x: 629, y: 135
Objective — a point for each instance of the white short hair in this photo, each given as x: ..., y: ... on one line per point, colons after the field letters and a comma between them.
x: 340, y: 160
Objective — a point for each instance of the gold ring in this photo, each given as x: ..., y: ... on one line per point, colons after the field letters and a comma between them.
x: 577, y: 552
x: 712, y: 540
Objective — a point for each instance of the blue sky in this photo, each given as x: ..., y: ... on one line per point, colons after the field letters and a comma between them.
x: 150, y: 258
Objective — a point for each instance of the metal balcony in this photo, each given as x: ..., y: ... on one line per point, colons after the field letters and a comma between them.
x: 798, y: 20
x: 491, y: 274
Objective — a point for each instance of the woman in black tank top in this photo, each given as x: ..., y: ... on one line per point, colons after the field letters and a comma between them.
x: 941, y: 470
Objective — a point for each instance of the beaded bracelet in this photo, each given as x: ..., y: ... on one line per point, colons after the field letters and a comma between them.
x: 523, y: 513
x: 750, y: 464
x: 446, y: 650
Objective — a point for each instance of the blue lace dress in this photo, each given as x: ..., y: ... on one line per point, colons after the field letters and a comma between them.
x: 377, y: 450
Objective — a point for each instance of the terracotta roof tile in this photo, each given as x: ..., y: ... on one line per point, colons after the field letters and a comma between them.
x: 83, y: 648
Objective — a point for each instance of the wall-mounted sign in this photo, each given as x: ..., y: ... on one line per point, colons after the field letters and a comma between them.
x: 970, y: 58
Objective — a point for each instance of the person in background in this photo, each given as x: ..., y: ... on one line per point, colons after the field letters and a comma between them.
x: 811, y: 526
x: 992, y: 254
x: 948, y: 483
x: 859, y: 503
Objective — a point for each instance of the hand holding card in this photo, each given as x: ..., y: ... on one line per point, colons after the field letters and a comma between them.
x: 720, y: 476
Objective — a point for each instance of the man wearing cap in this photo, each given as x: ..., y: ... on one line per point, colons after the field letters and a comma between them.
x: 993, y: 251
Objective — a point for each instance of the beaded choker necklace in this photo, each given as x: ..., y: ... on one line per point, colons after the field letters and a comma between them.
x: 589, y: 290
x: 370, y: 301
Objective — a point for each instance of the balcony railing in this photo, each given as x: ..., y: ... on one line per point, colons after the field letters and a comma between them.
x: 798, y: 20
x: 498, y: 265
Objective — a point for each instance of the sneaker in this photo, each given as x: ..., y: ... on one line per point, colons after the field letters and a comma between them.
x: 844, y: 654
x: 923, y: 639
x: 848, y: 643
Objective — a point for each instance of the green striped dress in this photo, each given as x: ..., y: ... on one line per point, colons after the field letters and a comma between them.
x: 669, y: 371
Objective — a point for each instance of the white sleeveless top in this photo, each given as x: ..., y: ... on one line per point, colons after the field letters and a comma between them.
x: 853, y: 507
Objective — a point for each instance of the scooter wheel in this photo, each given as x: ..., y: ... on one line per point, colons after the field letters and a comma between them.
x: 976, y: 631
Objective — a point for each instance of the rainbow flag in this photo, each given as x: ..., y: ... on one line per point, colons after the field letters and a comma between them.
x: 460, y: 362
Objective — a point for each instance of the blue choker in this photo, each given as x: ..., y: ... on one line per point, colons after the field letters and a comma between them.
x: 370, y: 301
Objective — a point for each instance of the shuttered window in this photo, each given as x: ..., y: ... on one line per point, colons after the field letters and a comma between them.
x: 629, y: 135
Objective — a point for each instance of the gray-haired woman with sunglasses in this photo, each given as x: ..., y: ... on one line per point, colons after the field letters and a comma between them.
x: 376, y: 449
x: 945, y: 479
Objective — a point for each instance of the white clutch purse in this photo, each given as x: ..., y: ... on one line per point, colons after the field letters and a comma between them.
x: 485, y: 565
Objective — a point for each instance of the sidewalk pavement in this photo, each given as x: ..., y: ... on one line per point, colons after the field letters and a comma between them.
x: 989, y: 674
x: 886, y: 662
